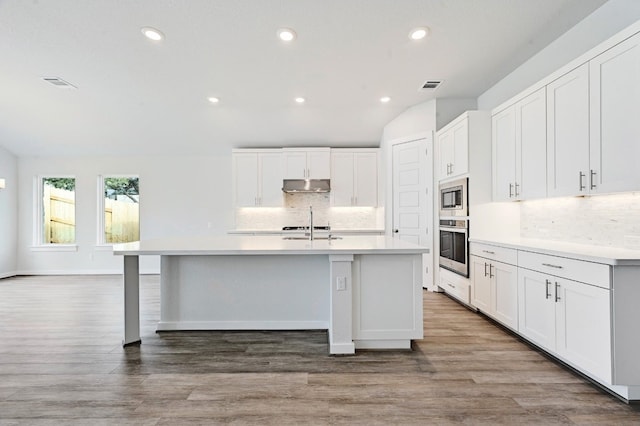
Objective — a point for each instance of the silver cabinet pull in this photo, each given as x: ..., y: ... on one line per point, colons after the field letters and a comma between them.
x: 552, y: 266
x: 490, y: 271
x: 489, y: 251
x: 557, y: 292
x: 591, y: 184
x: 582, y: 187
x: 485, y: 269
x: 547, y: 283
x: 510, y: 190
x: 517, y: 186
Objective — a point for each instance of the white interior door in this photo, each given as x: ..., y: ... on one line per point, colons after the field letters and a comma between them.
x: 412, y: 185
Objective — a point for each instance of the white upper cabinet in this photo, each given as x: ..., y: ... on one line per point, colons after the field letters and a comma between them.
x: 257, y: 178
x: 504, y: 154
x: 453, y: 142
x: 615, y: 118
x: 519, y: 149
x: 307, y: 163
x: 354, y: 177
x: 568, y: 133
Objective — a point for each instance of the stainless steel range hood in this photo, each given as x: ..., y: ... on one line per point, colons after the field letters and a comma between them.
x: 293, y: 186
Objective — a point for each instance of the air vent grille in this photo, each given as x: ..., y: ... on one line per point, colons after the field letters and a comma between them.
x: 431, y: 85
x: 58, y: 82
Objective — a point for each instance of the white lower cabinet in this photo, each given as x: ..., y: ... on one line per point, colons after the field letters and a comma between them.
x: 583, y: 312
x: 568, y: 318
x: 495, y: 286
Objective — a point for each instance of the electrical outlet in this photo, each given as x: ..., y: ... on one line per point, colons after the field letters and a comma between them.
x: 341, y: 283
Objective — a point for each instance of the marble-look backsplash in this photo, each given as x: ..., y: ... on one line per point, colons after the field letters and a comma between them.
x: 608, y: 220
x: 296, y: 213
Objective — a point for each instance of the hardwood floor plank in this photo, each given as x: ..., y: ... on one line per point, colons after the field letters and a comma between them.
x: 61, y: 363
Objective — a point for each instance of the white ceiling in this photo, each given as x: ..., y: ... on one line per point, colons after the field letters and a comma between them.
x: 136, y: 97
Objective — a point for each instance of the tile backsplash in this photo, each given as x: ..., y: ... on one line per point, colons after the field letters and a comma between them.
x: 295, y: 212
x: 609, y: 220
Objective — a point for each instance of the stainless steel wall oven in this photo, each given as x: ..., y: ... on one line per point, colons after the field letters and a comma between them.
x: 454, y: 245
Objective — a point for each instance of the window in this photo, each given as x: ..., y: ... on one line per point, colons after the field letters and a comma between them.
x: 119, y: 207
x: 57, y: 199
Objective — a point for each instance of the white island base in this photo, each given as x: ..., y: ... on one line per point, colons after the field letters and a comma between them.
x: 367, y: 295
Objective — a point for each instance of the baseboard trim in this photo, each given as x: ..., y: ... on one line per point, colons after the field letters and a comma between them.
x: 241, y: 325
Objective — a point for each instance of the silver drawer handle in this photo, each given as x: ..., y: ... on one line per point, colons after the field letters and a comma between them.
x: 488, y: 251
x: 552, y: 266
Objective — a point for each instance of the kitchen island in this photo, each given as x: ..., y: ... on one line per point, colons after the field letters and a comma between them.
x: 365, y: 290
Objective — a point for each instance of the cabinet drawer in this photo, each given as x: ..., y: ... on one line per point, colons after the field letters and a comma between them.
x: 497, y: 253
x: 592, y: 273
x: 455, y: 286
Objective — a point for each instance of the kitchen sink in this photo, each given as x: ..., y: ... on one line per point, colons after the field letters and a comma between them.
x: 315, y: 238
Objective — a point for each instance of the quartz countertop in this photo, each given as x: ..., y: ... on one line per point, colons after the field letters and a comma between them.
x: 586, y: 252
x: 334, y: 231
x: 268, y: 245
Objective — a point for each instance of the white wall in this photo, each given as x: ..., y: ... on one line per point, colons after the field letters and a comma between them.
x: 184, y: 196
x: 609, y: 19
x: 8, y: 214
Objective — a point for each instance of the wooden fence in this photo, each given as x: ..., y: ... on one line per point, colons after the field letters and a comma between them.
x: 121, y: 219
x: 59, y: 215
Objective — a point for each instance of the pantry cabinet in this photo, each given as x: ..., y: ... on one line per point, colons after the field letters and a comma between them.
x: 519, y: 149
x: 354, y: 177
x: 257, y: 178
x: 307, y: 163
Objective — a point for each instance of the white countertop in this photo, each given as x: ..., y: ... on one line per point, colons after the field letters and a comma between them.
x: 268, y: 245
x: 589, y: 253
x: 334, y: 231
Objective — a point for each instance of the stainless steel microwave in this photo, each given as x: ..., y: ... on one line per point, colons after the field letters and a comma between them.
x: 454, y: 198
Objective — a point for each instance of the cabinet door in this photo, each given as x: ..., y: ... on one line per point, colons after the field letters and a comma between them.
x: 568, y: 133
x: 445, y: 147
x: 295, y: 164
x: 460, y: 149
x: 504, y: 293
x: 615, y: 118
x: 583, y: 326
x: 481, y: 288
x: 366, y: 179
x: 531, y: 147
x: 246, y: 179
x: 536, y: 309
x: 270, y: 181
x: 342, y: 175
x: 319, y: 164
x: 504, y: 154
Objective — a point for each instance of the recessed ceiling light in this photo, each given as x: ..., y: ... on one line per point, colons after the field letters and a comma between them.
x: 213, y: 99
x: 419, y: 33
x: 152, y: 33
x: 385, y: 99
x: 286, y: 34
x: 300, y: 100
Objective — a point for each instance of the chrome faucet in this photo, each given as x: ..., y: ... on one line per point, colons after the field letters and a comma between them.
x: 310, y: 223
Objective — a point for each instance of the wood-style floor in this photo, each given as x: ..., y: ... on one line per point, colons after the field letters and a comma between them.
x: 61, y: 362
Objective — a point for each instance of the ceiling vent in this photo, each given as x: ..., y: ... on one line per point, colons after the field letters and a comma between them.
x: 58, y: 82
x: 431, y: 85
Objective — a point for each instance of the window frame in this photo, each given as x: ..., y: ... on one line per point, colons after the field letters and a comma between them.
x: 101, y: 244
x: 38, y: 215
